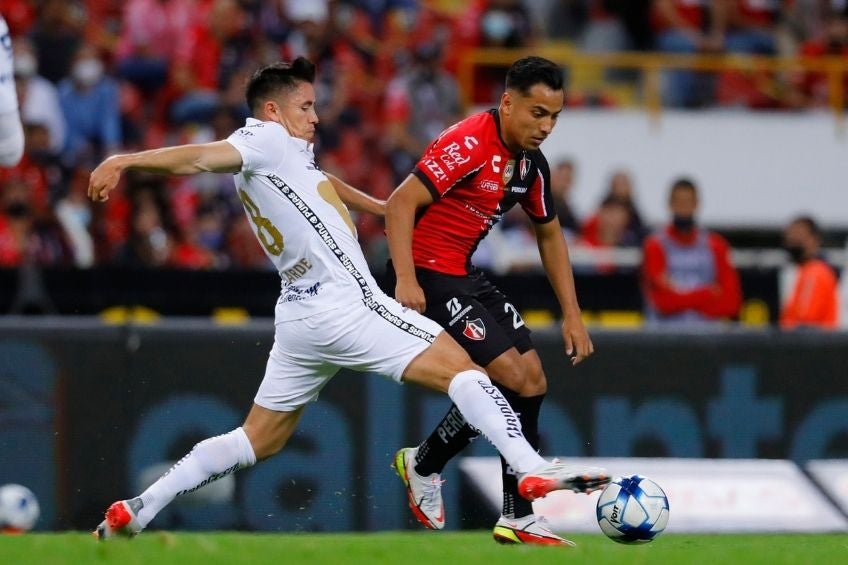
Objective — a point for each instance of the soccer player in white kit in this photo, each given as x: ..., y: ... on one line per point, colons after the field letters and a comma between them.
x: 330, y: 313
x: 11, y: 129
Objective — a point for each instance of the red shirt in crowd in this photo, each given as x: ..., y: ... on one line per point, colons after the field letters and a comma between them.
x: 720, y: 300
x: 690, y: 11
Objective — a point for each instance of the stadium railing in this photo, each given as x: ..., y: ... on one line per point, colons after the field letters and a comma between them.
x: 652, y: 64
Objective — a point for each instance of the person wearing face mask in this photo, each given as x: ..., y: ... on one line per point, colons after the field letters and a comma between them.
x: 11, y: 129
x: 38, y: 97
x: 814, y: 298
x: 90, y: 102
x: 688, y: 276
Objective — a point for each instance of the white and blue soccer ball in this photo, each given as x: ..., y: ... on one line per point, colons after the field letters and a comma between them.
x: 632, y: 509
x: 19, y: 509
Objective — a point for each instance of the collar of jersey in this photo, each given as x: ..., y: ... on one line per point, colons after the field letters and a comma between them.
x: 301, y: 143
x: 497, y: 118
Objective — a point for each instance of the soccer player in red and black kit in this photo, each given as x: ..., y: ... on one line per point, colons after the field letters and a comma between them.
x: 472, y: 174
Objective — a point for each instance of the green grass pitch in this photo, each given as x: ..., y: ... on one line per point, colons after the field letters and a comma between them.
x: 418, y: 548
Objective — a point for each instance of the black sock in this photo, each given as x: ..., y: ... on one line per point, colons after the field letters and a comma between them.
x: 452, y: 435
x: 515, y: 505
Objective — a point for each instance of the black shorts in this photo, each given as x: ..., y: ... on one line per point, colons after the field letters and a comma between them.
x: 474, y: 313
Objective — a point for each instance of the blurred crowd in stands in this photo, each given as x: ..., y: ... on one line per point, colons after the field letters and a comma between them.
x: 96, y: 77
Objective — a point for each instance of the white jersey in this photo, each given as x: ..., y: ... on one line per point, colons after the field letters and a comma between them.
x: 301, y: 223
x: 8, y: 96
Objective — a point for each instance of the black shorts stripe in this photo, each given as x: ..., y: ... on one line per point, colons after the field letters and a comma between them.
x: 324, y: 233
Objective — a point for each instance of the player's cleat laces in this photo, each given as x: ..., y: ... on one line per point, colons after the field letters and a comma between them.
x: 120, y: 520
x: 532, y: 530
x: 558, y: 476
x: 424, y: 493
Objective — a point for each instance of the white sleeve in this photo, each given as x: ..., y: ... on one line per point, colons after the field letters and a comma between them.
x: 8, y: 96
x: 262, y: 146
x: 11, y: 139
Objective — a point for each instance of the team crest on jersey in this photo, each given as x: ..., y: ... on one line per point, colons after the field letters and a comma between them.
x: 475, y: 329
x: 508, y: 170
x: 524, y: 167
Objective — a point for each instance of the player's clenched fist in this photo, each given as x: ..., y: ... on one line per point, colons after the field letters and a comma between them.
x: 410, y: 294
x: 104, y: 179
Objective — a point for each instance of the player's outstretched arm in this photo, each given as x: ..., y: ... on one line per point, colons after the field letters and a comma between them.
x: 554, y: 253
x: 401, y: 208
x: 216, y: 157
x: 357, y: 200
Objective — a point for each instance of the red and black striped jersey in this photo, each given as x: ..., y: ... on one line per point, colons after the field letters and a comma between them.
x: 474, y: 179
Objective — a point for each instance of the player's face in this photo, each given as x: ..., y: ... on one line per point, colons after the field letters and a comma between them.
x: 797, y: 235
x: 683, y: 202
x: 295, y: 111
x: 529, y: 119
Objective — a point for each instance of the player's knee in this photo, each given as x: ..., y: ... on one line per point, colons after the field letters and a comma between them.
x: 508, y: 371
x: 461, y: 363
x: 436, y: 367
x: 513, y: 380
x: 452, y: 356
x: 535, y: 382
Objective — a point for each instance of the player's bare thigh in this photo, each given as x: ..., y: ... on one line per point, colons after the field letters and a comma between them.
x: 269, y: 430
x: 521, y: 373
x: 437, y: 365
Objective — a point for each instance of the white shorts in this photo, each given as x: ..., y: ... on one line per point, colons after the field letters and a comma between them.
x: 383, y: 338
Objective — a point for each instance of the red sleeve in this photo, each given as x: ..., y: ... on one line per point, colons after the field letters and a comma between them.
x: 727, y: 293
x: 589, y: 233
x: 455, y: 154
x: 662, y: 295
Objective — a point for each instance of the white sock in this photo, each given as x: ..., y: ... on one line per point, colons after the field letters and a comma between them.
x: 209, y: 460
x: 485, y: 408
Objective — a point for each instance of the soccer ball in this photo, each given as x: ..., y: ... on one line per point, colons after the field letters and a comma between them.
x: 19, y: 509
x: 632, y: 509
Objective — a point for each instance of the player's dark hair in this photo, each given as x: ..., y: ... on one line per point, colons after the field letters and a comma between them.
x: 683, y: 183
x: 810, y: 224
x: 530, y: 71
x: 277, y: 78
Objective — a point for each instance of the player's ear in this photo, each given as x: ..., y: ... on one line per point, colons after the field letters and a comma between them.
x: 506, y: 103
x: 271, y: 108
